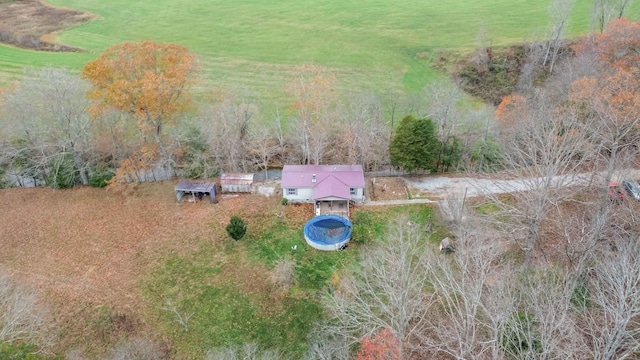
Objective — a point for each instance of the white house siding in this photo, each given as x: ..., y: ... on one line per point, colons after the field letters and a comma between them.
x: 359, y: 196
x: 306, y: 195
x: 303, y: 195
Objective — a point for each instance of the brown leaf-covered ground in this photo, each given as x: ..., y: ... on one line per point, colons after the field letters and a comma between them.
x: 24, y: 22
x: 387, y: 188
x: 88, y: 248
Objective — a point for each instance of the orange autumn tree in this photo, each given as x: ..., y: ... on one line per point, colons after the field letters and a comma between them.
x: 618, y: 45
x: 510, y: 109
x: 609, y: 100
x: 382, y: 345
x: 146, y: 79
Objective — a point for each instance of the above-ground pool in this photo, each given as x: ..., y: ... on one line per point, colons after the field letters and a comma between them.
x: 328, y: 232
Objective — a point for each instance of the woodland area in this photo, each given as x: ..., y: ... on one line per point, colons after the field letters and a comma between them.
x: 546, y: 273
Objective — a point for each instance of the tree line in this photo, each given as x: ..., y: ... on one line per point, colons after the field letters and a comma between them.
x: 132, y: 111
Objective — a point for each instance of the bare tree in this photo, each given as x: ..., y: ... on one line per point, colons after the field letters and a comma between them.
x: 473, y: 287
x: 613, y: 328
x: 547, y: 327
x: 22, y: 316
x: 226, y: 126
x: 244, y: 352
x: 389, y: 290
x: 47, y: 111
x: 137, y: 349
x: 546, y: 148
x: 327, y: 345
x: 606, y: 10
x: 559, y: 12
x: 443, y: 99
x: 363, y: 136
x: 316, y: 106
x: 263, y: 145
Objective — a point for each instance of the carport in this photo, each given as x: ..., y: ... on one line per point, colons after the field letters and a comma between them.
x: 197, y: 189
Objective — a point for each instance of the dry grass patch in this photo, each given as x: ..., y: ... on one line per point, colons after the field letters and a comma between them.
x: 32, y: 24
x: 88, y: 248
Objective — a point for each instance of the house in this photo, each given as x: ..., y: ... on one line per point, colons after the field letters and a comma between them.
x: 232, y: 182
x: 330, y: 187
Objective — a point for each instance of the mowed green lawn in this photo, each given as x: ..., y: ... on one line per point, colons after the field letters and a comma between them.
x: 371, y: 45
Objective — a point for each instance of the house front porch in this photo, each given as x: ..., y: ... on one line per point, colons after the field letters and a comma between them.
x: 338, y: 207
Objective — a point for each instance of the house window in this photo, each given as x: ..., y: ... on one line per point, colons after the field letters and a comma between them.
x: 353, y: 191
x: 292, y: 191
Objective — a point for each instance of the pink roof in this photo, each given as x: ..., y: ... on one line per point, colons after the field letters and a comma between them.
x: 296, y: 176
x: 331, y: 187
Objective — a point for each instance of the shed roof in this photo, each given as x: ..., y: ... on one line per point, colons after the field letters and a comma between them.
x: 196, y: 186
x: 295, y: 176
x: 236, y: 179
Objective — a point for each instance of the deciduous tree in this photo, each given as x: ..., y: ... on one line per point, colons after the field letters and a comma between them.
x: 559, y: 12
x: 147, y: 80
x: 315, y: 105
x: 606, y: 10
x: 389, y: 291
x: 547, y: 148
x: 22, y: 317
x: 44, y: 116
x: 363, y: 134
x: 226, y: 125
x: 382, y: 345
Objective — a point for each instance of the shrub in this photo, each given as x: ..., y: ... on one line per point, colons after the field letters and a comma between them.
x: 362, y: 232
x: 18, y: 351
x: 24, y: 320
x: 284, y: 273
x: 284, y: 201
x: 518, y: 337
x: 138, y: 348
x: 198, y: 161
x: 100, y: 176
x: 4, y: 183
x: 236, y: 228
x: 487, y: 155
x: 62, y: 174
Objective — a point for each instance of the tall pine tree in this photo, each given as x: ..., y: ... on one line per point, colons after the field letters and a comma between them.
x: 415, y: 145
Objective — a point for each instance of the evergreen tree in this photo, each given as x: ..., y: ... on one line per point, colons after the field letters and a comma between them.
x: 236, y: 228
x: 415, y: 145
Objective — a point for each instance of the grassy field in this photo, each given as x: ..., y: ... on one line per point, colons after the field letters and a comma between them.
x: 371, y: 45
x: 233, y: 296
x: 108, y: 261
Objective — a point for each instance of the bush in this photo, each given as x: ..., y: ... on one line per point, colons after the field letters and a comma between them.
x: 62, y: 173
x: 518, y: 338
x: 138, y: 348
x: 198, y: 161
x: 284, y: 273
x: 487, y: 155
x: 236, y: 228
x: 4, y: 183
x: 18, y: 351
x: 362, y: 232
x: 284, y: 201
x: 100, y: 176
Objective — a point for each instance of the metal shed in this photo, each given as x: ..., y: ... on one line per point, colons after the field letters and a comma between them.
x: 235, y: 182
x: 198, y: 189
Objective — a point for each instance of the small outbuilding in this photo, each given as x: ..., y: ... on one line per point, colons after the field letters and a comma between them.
x: 197, y: 189
x: 236, y: 182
